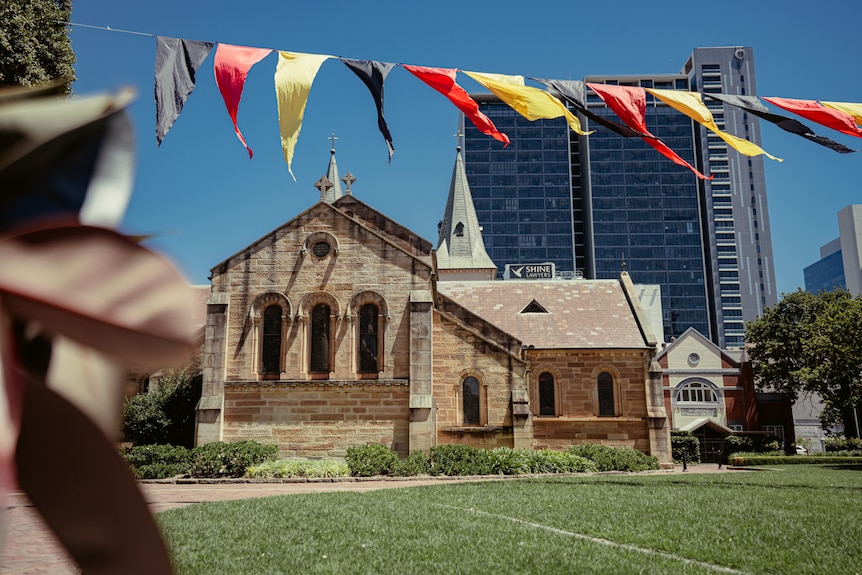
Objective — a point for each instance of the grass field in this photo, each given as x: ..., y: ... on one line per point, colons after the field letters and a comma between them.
x: 796, y: 520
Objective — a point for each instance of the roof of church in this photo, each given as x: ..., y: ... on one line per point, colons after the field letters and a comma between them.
x: 460, y: 244
x: 554, y: 314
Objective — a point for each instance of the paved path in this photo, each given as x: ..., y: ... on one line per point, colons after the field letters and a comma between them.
x: 30, y: 548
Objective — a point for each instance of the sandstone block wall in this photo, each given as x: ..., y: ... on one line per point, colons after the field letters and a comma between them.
x: 458, y: 353
x: 318, y: 420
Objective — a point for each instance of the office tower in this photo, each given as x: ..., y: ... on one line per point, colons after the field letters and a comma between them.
x: 840, y: 263
x: 707, y: 244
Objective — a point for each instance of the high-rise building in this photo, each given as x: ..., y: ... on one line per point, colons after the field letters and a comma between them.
x: 591, y: 205
x: 840, y: 263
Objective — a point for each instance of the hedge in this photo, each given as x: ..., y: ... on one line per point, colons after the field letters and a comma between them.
x: 219, y: 459
x: 745, y: 459
x: 455, y: 459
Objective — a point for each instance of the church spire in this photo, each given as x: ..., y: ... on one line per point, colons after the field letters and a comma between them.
x: 334, y: 191
x: 460, y: 249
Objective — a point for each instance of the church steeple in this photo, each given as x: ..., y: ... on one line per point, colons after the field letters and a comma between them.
x: 460, y: 249
x: 331, y: 191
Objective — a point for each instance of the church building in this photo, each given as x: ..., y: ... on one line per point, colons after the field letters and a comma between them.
x: 341, y: 327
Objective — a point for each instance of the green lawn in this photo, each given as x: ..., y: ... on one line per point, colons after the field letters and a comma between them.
x: 799, y: 519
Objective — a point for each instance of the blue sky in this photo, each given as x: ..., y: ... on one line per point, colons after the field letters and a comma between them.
x: 204, y: 198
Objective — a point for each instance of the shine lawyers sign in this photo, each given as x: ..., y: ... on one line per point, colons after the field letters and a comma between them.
x: 529, y: 271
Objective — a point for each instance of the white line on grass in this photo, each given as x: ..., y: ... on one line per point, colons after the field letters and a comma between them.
x: 600, y: 541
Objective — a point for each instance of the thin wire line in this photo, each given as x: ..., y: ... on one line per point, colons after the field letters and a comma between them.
x: 109, y: 29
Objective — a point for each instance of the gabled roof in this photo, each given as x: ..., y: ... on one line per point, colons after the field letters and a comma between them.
x: 691, y: 333
x: 705, y: 421
x: 362, y: 215
x: 372, y: 218
x: 581, y: 313
x: 460, y: 244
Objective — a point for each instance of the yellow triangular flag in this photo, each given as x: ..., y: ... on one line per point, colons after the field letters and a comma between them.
x: 532, y: 103
x: 691, y: 104
x: 294, y: 75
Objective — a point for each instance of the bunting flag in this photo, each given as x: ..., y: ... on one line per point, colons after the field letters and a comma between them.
x: 532, y: 103
x: 691, y: 104
x: 443, y: 80
x: 814, y: 111
x: 574, y: 93
x: 753, y: 105
x: 294, y: 76
x: 232, y: 64
x: 177, y: 61
x: 629, y: 103
x: 373, y: 74
x: 851, y: 109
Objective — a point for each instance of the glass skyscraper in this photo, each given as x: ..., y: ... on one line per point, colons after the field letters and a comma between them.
x: 591, y: 204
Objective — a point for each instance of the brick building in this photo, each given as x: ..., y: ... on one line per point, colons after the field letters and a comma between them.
x: 711, y: 393
x: 341, y: 327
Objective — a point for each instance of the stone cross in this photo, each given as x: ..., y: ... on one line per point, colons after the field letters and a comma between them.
x: 348, y: 179
x: 323, y: 184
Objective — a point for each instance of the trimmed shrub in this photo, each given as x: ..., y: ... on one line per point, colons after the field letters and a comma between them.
x: 288, y: 468
x: 370, y: 460
x: 749, y: 459
x: 157, y: 461
x: 221, y: 459
x: 609, y: 458
x: 456, y: 459
x: 684, y: 441
x: 417, y: 463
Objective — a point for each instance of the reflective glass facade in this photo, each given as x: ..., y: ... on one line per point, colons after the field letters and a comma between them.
x: 589, y: 203
x: 522, y: 193
x: 646, y: 212
x: 826, y: 274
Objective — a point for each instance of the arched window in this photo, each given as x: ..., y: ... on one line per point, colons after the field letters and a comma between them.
x: 320, y: 338
x: 696, y: 392
x: 470, y: 400
x: 368, y: 333
x: 270, y: 356
x: 606, y: 395
x: 547, y: 394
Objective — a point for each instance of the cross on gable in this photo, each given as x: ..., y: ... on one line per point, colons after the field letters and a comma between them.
x: 348, y: 179
x: 323, y: 184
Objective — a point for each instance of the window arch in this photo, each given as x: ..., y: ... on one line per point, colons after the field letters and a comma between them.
x: 321, y: 333
x: 547, y: 394
x: 470, y: 401
x: 369, y: 333
x: 696, y: 392
x: 270, y: 316
x: 270, y: 350
x: 607, y: 407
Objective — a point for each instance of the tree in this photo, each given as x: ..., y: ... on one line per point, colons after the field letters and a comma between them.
x: 165, y: 415
x: 810, y: 343
x: 34, y: 43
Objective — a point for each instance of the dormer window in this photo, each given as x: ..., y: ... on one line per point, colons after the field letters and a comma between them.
x: 459, y: 229
x: 534, y: 307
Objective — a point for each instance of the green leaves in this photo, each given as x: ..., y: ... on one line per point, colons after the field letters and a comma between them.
x: 809, y: 343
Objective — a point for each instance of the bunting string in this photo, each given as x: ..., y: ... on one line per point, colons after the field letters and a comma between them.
x: 178, y: 60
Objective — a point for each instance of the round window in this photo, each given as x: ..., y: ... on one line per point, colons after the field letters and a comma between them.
x: 693, y: 359
x: 320, y: 249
